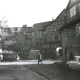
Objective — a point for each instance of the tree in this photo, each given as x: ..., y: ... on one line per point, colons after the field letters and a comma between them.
x: 18, y: 43
x: 3, y: 24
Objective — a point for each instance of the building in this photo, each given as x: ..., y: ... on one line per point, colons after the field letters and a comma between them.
x: 60, y: 20
x: 24, y: 29
x: 52, y: 40
x: 53, y: 36
x: 27, y: 32
x: 16, y: 30
x: 71, y: 31
x: 39, y: 34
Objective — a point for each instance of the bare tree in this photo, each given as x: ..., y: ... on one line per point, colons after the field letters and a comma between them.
x: 3, y: 24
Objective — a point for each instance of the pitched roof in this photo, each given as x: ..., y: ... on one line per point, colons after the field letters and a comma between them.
x: 61, y: 14
x: 41, y: 26
x: 71, y: 3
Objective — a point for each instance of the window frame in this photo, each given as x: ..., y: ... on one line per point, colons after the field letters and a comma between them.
x: 73, y: 11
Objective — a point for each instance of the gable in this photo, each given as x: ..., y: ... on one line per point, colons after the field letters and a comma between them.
x: 71, y: 3
x: 41, y: 26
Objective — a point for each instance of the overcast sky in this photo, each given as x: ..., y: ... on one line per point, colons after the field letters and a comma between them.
x: 19, y: 12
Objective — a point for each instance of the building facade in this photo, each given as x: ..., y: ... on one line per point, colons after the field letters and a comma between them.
x: 16, y: 30
x: 39, y: 34
x: 52, y: 40
x: 71, y: 31
x: 27, y: 32
x: 53, y: 36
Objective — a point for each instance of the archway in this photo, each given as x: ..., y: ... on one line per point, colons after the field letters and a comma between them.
x: 68, y: 55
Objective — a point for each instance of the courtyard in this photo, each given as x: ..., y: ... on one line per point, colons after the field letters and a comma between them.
x: 47, y: 71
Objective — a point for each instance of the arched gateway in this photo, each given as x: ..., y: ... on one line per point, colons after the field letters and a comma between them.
x: 68, y: 55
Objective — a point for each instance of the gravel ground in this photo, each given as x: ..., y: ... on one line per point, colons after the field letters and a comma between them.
x: 57, y: 71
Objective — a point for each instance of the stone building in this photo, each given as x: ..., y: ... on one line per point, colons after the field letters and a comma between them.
x: 27, y: 32
x: 39, y: 34
x: 71, y: 31
x: 52, y: 40
x: 53, y: 36
x: 16, y: 30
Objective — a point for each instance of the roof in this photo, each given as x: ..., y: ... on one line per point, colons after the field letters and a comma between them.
x: 63, y: 11
x: 71, y: 3
x: 59, y: 20
x: 52, y: 24
x: 27, y: 29
x: 68, y: 25
x: 42, y: 25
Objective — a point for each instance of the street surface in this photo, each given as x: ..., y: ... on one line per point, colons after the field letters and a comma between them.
x: 30, y: 70
x: 18, y: 73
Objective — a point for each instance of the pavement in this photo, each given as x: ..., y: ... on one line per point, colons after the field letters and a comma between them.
x: 18, y: 73
x: 28, y: 62
x: 29, y: 70
x: 17, y: 70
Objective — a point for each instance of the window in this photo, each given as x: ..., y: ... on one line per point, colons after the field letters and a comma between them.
x: 73, y: 11
x: 55, y: 28
x: 66, y: 33
x: 77, y: 29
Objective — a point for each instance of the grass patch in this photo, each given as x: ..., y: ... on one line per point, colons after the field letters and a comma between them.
x: 57, y: 71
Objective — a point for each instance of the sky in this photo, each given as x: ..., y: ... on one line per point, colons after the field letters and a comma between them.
x: 29, y: 12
